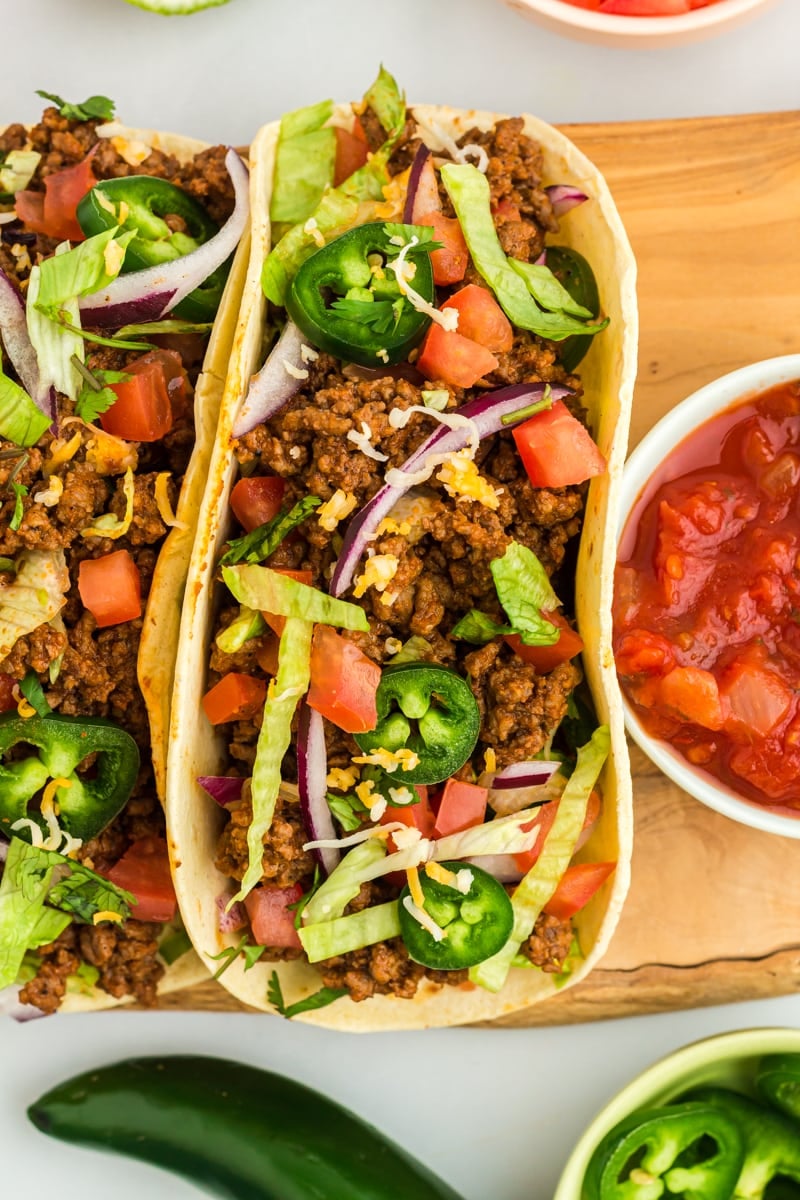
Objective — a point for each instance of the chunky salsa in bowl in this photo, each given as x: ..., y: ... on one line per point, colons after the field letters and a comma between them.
x: 707, y: 596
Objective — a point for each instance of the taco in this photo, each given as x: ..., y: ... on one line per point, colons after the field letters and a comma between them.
x: 119, y: 291
x: 406, y: 513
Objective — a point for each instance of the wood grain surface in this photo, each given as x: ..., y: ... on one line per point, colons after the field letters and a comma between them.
x: 712, y: 208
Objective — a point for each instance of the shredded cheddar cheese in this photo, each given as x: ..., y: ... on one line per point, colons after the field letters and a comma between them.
x: 415, y: 887
x: 165, y: 510
x: 51, y: 495
x: 109, y: 525
x: 61, y: 451
x: 107, y: 915
x: 461, y: 478
x: 379, y: 571
x: 341, y: 779
x: 340, y: 505
x: 489, y: 760
x: 25, y: 709
x: 441, y: 874
x: 390, y: 760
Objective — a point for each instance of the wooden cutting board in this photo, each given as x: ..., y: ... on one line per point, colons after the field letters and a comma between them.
x: 712, y: 208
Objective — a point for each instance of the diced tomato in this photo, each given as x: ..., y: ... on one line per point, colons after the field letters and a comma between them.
x: 257, y: 499
x: 507, y: 209
x: 235, y: 696
x: 481, y: 318
x: 351, y: 153
x: 462, y: 806
x: 641, y: 652
x: 577, y: 886
x: 645, y: 8
x: 416, y: 816
x: 545, y: 819
x: 757, y: 699
x: 276, y: 622
x: 175, y: 377
x: 692, y: 694
x: 556, y: 450
x: 454, y: 359
x: 344, y: 682
x: 450, y: 261
x: 271, y: 918
x: 53, y: 212
x: 267, y: 653
x: 358, y: 130
x: 111, y: 588
x: 144, y: 871
x: 546, y: 658
x: 7, y: 685
x: 142, y: 411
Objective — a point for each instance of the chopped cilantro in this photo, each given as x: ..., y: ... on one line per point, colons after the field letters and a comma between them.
x: 257, y: 545
x: 96, y: 396
x: 33, y: 693
x: 96, y: 107
x: 348, y: 811
x: 381, y: 316
x: 83, y: 894
x: 250, y: 953
x: 299, y: 905
x: 320, y: 999
x: 19, y: 490
x: 405, y: 234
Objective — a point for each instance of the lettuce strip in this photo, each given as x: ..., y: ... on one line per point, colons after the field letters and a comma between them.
x: 353, y: 932
x: 344, y: 882
x: 304, y: 162
x: 524, y: 589
x: 268, y: 591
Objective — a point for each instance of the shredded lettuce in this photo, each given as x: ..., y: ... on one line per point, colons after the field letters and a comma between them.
x: 38, y: 592
x: 23, y: 890
x: 387, y: 102
x: 82, y: 981
x: 478, y: 628
x: 21, y: 422
x: 268, y: 591
x: 416, y: 649
x: 55, y: 345
x: 365, y: 928
x: 469, y: 191
x: 247, y: 625
x: 283, y: 695
x: 17, y: 170
x: 543, y: 878
x: 547, y: 291
x: 524, y: 589
x: 88, y: 267
x: 261, y: 542
x: 304, y: 162
x: 344, y: 882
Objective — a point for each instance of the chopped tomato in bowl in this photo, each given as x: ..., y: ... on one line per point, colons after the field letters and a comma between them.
x: 706, y: 639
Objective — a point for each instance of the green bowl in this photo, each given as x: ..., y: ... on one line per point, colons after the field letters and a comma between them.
x: 729, y: 1059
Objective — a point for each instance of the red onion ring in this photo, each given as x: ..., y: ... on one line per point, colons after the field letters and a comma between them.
x: 524, y: 774
x: 486, y: 413
x: 147, y: 295
x: 563, y: 197
x: 222, y: 788
x: 274, y: 385
x: 19, y: 348
x: 423, y: 191
x: 312, y: 773
x: 230, y: 921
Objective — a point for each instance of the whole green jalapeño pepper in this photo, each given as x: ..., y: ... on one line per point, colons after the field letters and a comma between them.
x: 428, y: 710
x: 476, y: 924
x: 92, y: 800
x: 347, y: 299
x: 690, y: 1150
x: 152, y: 207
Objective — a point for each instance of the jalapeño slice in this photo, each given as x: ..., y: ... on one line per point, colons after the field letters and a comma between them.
x: 476, y: 924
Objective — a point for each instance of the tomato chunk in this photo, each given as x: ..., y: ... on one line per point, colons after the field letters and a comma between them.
x: 267, y: 653
x: 454, y: 359
x: 577, y: 886
x: 276, y: 622
x: 53, y: 211
x: 546, y: 658
x: 7, y: 685
x: 757, y: 699
x: 351, y: 153
x: 481, y: 318
x: 450, y: 261
x: 271, y: 918
x: 344, y: 682
x: 235, y: 696
x: 111, y: 588
x: 462, y: 806
x: 144, y: 871
x: 646, y: 8
x: 545, y: 819
x: 692, y: 694
x: 142, y: 411
x: 556, y: 450
x: 257, y: 500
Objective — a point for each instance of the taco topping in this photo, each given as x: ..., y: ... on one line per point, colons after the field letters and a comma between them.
x: 401, y: 671
x: 97, y: 432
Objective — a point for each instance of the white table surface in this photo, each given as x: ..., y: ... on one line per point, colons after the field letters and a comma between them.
x: 495, y: 1112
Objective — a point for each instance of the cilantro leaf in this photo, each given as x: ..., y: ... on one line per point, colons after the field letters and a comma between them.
x: 84, y: 894
x: 33, y: 693
x: 399, y: 236
x: 299, y: 905
x: 174, y: 946
x: 380, y: 316
x: 348, y: 811
x: 251, y: 954
x: 320, y: 999
x: 257, y: 545
x: 91, y: 404
x: 19, y: 490
x: 96, y: 107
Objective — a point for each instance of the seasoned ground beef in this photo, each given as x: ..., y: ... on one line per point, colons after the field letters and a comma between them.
x: 379, y: 970
x: 285, y: 862
x: 549, y: 944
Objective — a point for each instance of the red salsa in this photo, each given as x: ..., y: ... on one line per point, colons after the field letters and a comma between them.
x: 707, y: 599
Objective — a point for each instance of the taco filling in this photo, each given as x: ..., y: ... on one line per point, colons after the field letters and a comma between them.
x: 96, y: 435
x: 411, y: 757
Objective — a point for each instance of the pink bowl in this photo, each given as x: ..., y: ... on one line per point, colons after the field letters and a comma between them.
x: 608, y: 29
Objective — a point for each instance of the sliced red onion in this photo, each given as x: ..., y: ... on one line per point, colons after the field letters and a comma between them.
x: 222, y: 788
x: 147, y: 295
x: 10, y: 1006
x: 280, y: 378
x: 230, y: 921
x: 312, y: 773
x: 502, y: 866
x: 563, y: 197
x: 423, y: 191
x: 486, y: 417
x: 19, y: 348
x: 524, y: 774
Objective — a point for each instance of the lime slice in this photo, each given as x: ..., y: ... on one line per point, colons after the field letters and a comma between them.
x: 174, y: 8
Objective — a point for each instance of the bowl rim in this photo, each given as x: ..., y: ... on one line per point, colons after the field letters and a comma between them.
x: 697, y: 408
x: 662, y: 1076
x: 597, y: 22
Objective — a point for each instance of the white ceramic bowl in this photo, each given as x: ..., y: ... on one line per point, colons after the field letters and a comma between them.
x: 609, y: 29
x: 662, y: 438
x: 728, y: 1060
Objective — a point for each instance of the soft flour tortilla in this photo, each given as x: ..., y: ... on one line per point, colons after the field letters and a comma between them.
x: 194, y: 821
x: 159, y: 640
